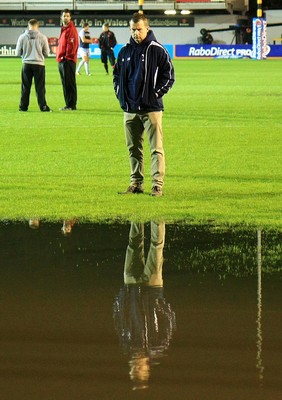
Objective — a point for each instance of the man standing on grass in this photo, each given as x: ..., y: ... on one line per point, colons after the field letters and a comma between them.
x: 142, y: 75
x: 107, y: 42
x: 33, y: 47
x: 67, y: 58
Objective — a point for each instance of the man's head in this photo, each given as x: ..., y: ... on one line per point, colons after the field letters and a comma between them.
x: 85, y: 26
x: 33, y: 24
x: 65, y: 16
x: 139, y: 27
x: 106, y: 27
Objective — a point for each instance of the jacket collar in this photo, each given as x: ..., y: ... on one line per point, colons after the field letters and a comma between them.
x: 68, y: 26
x: 149, y: 38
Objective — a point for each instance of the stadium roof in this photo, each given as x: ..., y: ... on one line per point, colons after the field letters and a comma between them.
x: 107, y: 5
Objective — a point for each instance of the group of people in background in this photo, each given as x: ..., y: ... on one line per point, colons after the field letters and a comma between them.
x: 33, y: 47
x: 106, y: 41
x: 142, y: 75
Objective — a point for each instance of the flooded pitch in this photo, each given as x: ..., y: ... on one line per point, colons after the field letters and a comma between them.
x: 155, y: 311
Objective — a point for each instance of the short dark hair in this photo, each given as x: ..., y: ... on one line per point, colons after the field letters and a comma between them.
x: 137, y: 16
x: 85, y: 24
x: 33, y: 22
x: 67, y: 11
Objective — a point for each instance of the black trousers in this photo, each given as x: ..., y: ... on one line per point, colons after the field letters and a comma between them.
x: 105, y: 54
x: 67, y: 73
x: 30, y: 71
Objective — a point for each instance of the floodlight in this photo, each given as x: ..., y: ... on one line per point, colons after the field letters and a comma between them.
x: 170, y: 12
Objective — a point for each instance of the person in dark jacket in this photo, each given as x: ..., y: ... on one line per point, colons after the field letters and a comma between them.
x: 107, y: 42
x: 143, y: 73
x: 67, y: 58
x: 33, y: 47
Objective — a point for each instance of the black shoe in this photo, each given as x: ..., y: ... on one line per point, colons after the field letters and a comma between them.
x: 157, y: 191
x: 22, y: 109
x: 46, y: 109
x: 133, y: 189
x: 67, y: 108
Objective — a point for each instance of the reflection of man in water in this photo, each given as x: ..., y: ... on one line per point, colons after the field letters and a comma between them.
x: 143, y: 319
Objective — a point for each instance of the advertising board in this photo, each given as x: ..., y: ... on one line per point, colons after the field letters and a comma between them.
x: 223, y: 51
x: 259, y: 38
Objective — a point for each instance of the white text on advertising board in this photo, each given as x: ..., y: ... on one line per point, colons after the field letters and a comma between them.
x: 216, y: 51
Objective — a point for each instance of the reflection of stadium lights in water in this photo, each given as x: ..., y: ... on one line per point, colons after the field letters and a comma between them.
x: 185, y: 12
x: 170, y: 12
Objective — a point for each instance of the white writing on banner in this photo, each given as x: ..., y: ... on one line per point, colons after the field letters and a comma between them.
x: 7, y: 51
x: 259, y: 38
x: 217, y: 51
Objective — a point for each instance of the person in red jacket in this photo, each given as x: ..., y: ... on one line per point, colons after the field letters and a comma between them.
x: 67, y: 58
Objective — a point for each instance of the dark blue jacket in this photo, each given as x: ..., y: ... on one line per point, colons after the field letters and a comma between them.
x: 143, y: 73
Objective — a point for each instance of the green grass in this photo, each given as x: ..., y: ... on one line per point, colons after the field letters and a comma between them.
x: 222, y: 134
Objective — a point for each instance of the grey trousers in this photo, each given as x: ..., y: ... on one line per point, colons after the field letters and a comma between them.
x: 135, y: 124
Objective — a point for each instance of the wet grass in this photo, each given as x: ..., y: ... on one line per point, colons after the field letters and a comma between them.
x: 222, y: 134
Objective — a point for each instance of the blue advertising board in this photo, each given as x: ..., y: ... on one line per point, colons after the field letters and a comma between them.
x: 274, y: 50
x: 223, y: 51
x: 95, y: 52
x: 210, y: 50
x: 180, y: 51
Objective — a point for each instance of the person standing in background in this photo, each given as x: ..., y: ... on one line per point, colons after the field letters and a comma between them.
x: 84, y: 42
x: 67, y: 57
x: 33, y: 47
x: 107, y: 42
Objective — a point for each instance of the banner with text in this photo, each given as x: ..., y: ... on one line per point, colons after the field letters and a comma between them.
x: 259, y: 38
x: 223, y: 51
x: 9, y: 50
x: 175, y: 51
x: 94, y: 21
